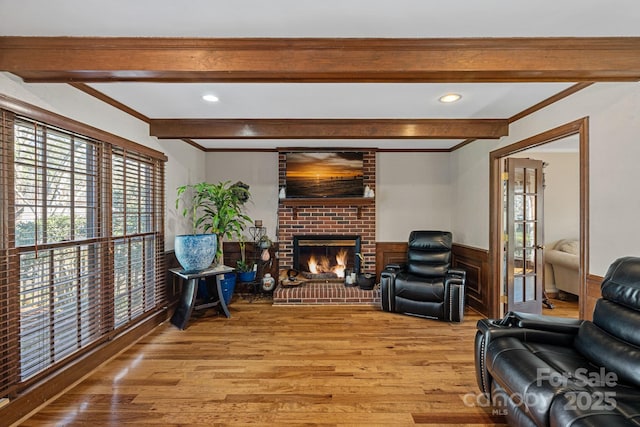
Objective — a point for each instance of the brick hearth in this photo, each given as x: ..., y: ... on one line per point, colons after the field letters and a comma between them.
x: 325, y: 293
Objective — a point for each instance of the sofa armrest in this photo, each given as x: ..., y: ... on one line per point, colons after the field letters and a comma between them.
x: 387, y: 286
x: 524, y: 327
x: 395, y: 266
x: 454, y: 294
x: 541, y: 322
x: 563, y: 259
x: 457, y: 273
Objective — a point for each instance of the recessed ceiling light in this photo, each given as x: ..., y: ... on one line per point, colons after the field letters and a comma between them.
x: 210, y: 98
x: 450, y: 97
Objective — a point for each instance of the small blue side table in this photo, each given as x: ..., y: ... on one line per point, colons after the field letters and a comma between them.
x: 187, y: 302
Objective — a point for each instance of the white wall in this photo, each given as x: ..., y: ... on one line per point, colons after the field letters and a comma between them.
x: 412, y: 189
x: 413, y: 192
x: 260, y: 171
x: 185, y: 163
x: 470, y: 193
x: 614, y: 150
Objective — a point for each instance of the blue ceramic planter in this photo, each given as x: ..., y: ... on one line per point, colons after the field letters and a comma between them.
x: 228, y: 286
x: 247, y: 276
x: 196, y: 252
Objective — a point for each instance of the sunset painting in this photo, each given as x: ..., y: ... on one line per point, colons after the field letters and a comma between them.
x: 324, y: 174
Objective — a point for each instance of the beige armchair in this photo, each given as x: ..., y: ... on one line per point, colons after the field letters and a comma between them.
x: 564, y: 263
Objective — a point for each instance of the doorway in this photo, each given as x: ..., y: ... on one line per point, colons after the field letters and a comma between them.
x: 577, y: 130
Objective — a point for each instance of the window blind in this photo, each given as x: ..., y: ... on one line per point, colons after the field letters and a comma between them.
x: 81, y: 245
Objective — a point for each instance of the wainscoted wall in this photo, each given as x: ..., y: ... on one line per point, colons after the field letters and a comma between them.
x: 476, y: 263
x: 473, y: 260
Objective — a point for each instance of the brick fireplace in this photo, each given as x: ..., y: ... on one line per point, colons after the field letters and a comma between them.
x: 327, y: 217
x: 320, y: 256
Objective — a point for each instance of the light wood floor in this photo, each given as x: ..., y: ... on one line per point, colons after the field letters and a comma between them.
x: 281, y: 365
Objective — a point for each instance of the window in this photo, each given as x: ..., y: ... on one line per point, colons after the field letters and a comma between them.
x: 81, y: 244
x: 134, y: 238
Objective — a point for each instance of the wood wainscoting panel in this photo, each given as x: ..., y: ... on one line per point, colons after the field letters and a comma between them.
x: 474, y: 261
x: 172, y: 282
x: 389, y: 253
x: 593, y: 293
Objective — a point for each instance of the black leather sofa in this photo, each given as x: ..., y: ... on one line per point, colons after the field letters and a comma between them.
x: 425, y: 285
x: 548, y: 371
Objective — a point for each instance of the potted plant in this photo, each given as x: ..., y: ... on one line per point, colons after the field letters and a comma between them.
x: 224, y: 215
x: 224, y: 212
x: 217, y: 209
x: 195, y: 251
x: 246, y: 271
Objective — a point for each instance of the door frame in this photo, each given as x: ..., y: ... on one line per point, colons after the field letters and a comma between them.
x: 580, y: 127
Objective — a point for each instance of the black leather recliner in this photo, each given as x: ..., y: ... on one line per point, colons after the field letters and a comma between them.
x: 548, y: 371
x: 425, y: 285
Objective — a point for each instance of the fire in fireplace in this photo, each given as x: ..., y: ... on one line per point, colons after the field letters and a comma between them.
x: 326, y: 256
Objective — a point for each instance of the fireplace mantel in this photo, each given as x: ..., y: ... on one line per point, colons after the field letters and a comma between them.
x: 356, y: 202
x: 335, y: 201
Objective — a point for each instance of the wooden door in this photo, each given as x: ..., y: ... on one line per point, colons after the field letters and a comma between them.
x: 524, y: 239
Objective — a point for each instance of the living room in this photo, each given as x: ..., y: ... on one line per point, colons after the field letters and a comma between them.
x: 436, y: 189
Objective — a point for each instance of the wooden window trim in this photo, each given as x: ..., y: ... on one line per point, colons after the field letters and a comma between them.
x: 40, y: 114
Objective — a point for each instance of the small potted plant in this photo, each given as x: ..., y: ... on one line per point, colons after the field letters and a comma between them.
x: 246, y: 271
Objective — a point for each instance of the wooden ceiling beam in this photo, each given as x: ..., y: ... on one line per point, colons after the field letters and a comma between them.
x: 94, y: 59
x: 329, y: 128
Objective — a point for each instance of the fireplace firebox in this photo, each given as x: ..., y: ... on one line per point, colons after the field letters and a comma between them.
x: 326, y: 257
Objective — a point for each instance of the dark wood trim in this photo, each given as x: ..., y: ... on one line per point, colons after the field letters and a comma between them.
x: 240, y: 150
x: 334, y: 201
x: 539, y: 106
x: 412, y: 150
x: 329, y: 128
x: 462, y: 144
x: 583, y: 132
x: 593, y: 293
x: 193, y: 144
x: 475, y: 262
x: 580, y: 127
x: 36, y: 113
x: 552, y: 99
x: 555, y: 98
x: 48, y: 388
x: 389, y: 253
x: 108, y: 59
x: 324, y: 149
x: 108, y: 100
x: 378, y: 150
x: 551, y: 135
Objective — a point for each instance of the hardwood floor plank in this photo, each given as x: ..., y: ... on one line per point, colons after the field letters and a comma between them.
x: 282, y: 365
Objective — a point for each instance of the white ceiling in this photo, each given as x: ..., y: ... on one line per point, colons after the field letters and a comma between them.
x: 320, y: 18
x: 326, y: 18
